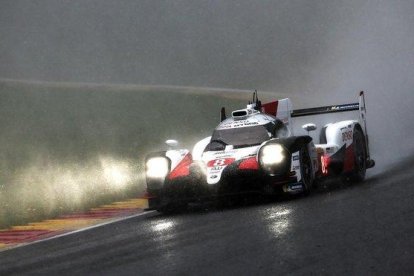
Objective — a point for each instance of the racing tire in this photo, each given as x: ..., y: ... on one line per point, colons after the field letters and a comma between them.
x: 167, y: 207
x: 360, y: 157
x: 306, y: 170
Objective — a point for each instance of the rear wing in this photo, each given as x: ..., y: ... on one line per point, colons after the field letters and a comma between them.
x: 334, y: 108
x: 325, y: 109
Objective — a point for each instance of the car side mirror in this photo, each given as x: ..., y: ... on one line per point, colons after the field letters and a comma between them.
x: 309, y: 127
x: 171, y: 143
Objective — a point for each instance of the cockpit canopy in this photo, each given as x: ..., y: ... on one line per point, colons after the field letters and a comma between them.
x: 245, y: 133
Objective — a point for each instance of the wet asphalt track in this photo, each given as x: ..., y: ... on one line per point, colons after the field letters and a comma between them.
x: 353, y: 230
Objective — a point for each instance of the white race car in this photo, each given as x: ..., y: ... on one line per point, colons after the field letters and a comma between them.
x: 255, y: 150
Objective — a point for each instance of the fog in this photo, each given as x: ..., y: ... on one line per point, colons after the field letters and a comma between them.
x: 296, y: 46
x: 319, y: 51
x: 316, y: 52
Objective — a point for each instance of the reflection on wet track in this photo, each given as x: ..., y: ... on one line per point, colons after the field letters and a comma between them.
x: 278, y: 220
x: 162, y: 226
x: 360, y: 229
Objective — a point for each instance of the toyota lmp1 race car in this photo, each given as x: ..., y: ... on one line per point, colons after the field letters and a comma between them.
x: 256, y: 150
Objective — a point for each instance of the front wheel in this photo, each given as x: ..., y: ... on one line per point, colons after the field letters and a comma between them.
x: 168, y: 206
x: 306, y: 170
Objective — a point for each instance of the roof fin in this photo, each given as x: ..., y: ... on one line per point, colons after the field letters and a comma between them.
x: 222, y: 114
x: 258, y: 104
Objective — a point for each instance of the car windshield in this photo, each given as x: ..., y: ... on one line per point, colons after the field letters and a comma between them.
x: 239, y: 137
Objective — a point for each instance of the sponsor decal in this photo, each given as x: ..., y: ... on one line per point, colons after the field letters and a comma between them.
x: 251, y: 123
x: 223, y: 154
x: 345, y: 106
x: 296, y: 187
x: 237, y: 124
x: 245, y: 123
x: 214, y: 176
x: 346, y: 135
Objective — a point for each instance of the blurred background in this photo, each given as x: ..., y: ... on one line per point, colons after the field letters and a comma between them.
x: 88, y: 87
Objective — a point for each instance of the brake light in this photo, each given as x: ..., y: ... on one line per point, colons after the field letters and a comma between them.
x: 325, y: 160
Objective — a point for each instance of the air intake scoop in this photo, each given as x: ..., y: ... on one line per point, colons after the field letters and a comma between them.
x: 240, y: 114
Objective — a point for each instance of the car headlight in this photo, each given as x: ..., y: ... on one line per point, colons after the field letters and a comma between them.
x: 272, y: 155
x: 274, y: 159
x: 157, y: 167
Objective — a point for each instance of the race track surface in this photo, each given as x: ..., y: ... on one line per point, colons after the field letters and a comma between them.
x: 354, y: 230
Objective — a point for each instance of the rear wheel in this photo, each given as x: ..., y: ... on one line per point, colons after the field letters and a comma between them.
x: 360, y: 157
x: 306, y: 170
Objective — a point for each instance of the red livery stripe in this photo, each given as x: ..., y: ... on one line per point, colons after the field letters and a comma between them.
x: 249, y: 164
x: 349, y: 159
x: 270, y: 108
x: 183, y: 168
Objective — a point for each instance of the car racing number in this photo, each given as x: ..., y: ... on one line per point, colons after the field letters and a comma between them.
x: 218, y: 163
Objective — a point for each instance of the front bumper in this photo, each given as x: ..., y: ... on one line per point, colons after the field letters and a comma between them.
x: 194, y: 187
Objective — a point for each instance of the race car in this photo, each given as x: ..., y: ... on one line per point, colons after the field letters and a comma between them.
x: 255, y: 150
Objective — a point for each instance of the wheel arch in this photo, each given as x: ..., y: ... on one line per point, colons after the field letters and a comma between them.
x: 359, y: 127
x: 293, y: 143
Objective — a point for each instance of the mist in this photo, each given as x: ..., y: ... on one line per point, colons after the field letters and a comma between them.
x: 295, y: 46
x: 318, y: 52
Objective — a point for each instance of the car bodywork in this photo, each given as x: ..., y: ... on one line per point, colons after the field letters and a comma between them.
x: 255, y: 150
